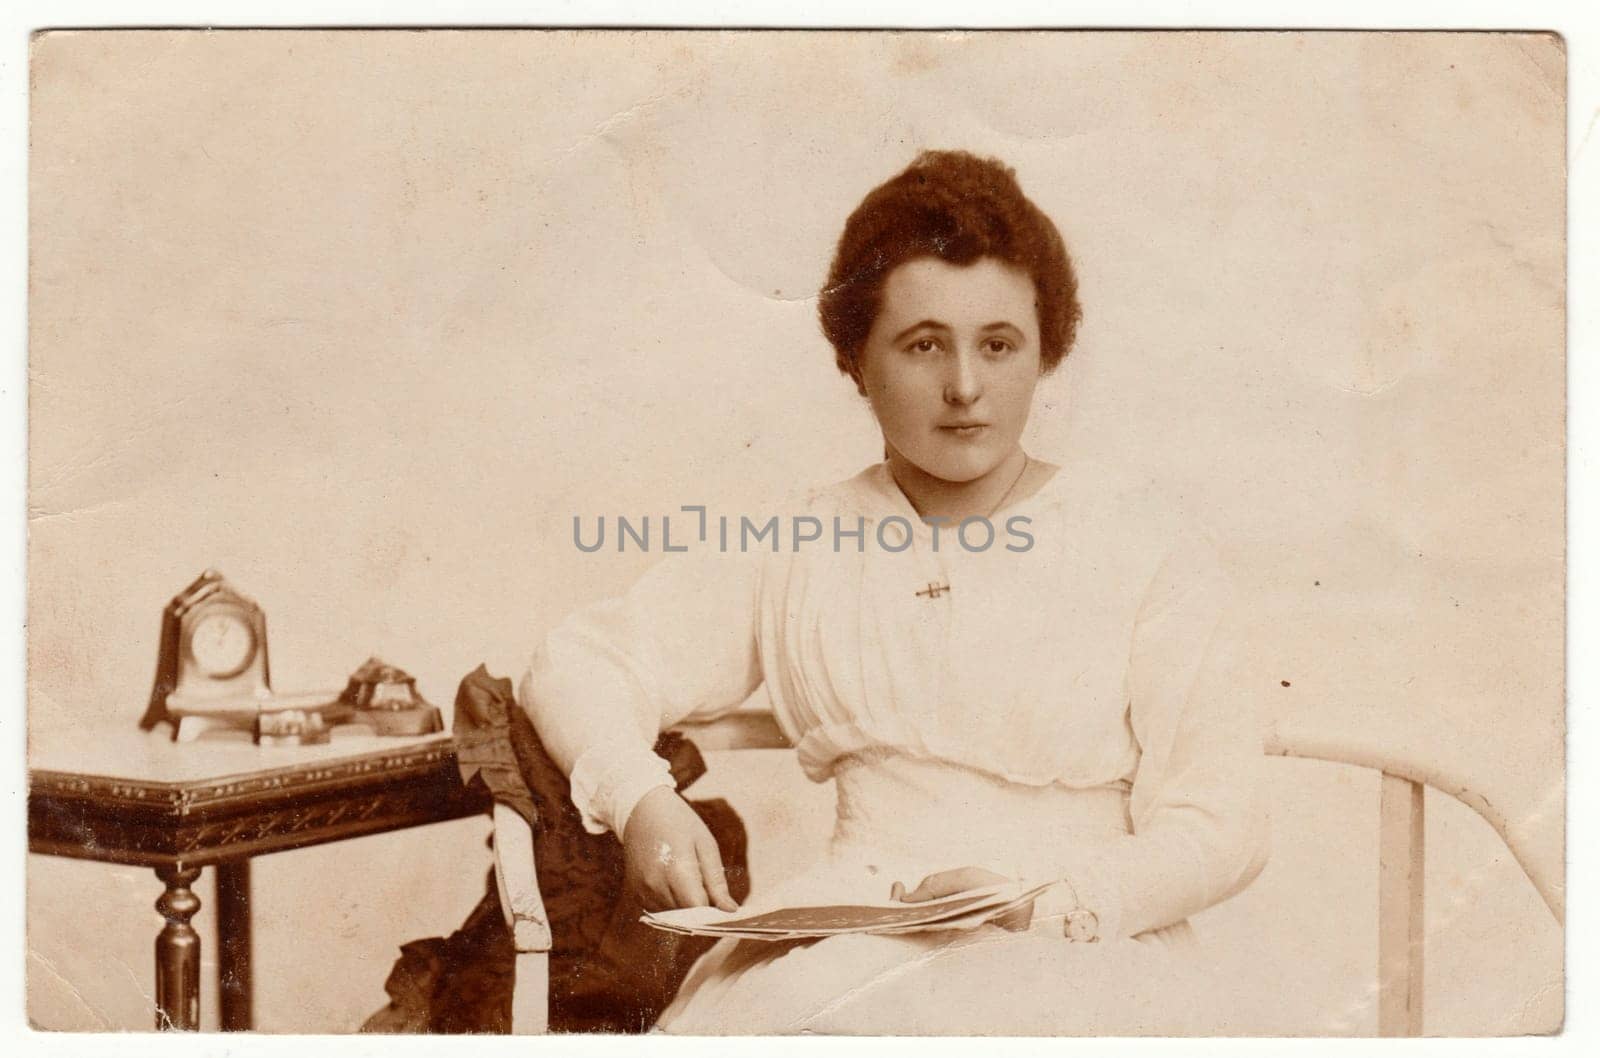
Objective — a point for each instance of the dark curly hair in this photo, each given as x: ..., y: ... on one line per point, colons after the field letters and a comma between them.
x: 957, y: 207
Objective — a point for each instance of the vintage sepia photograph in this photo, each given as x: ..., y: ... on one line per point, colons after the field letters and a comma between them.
x: 851, y: 533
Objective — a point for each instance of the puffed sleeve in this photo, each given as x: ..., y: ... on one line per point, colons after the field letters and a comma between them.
x: 1199, y: 822
x: 679, y: 645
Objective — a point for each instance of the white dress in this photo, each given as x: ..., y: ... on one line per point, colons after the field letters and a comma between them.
x: 1042, y: 715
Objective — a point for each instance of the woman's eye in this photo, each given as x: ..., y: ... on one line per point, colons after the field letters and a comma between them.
x: 924, y: 345
x: 997, y: 346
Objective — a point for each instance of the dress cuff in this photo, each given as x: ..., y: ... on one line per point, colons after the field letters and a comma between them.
x: 610, y: 779
x: 1090, y: 886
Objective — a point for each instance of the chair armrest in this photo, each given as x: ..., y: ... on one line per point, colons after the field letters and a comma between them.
x: 1372, y: 749
x: 517, y: 879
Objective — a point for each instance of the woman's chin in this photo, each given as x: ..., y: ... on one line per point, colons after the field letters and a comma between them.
x: 961, y: 465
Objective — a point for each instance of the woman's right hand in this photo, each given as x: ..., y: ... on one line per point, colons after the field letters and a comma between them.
x: 670, y: 856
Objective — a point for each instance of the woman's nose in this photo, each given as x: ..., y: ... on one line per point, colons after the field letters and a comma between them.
x: 962, y: 385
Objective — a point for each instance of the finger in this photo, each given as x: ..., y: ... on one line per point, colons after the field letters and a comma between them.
x: 942, y: 884
x: 686, y: 887
x: 712, y: 873
x: 1017, y: 920
x: 927, y: 889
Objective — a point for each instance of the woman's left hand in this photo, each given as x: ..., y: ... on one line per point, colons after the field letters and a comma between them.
x: 960, y: 880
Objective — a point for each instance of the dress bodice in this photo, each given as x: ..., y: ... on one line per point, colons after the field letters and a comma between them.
x: 1012, y: 658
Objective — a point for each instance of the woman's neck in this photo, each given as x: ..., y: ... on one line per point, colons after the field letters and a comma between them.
x: 933, y: 497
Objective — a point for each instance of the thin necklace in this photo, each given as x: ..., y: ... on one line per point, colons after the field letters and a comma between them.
x: 1026, y: 462
x: 936, y: 589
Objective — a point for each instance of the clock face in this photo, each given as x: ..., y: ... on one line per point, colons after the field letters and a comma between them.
x: 222, y: 644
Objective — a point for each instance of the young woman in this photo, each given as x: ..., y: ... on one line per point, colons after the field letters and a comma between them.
x: 1028, y: 710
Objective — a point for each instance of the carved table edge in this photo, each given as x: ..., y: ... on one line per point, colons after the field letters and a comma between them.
x: 177, y: 799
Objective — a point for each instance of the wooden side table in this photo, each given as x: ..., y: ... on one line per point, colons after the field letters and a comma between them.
x: 133, y: 797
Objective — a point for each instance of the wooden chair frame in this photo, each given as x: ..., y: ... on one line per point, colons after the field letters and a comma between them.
x: 1401, y: 919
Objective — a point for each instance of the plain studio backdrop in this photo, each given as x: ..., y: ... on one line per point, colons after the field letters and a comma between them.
x: 364, y: 319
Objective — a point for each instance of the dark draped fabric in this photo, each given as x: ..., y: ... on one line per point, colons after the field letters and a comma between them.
x: 608, y: 971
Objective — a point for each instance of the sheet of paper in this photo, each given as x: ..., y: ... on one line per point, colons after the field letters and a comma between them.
x: 962, y: 910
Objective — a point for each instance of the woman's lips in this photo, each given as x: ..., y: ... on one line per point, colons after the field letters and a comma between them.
x: 967, y: 431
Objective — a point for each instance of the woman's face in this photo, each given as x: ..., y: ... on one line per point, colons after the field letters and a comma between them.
x: 951, y: 364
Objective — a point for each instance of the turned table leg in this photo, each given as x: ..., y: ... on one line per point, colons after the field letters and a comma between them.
x: 233, y: 940
x: 178, y: 951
